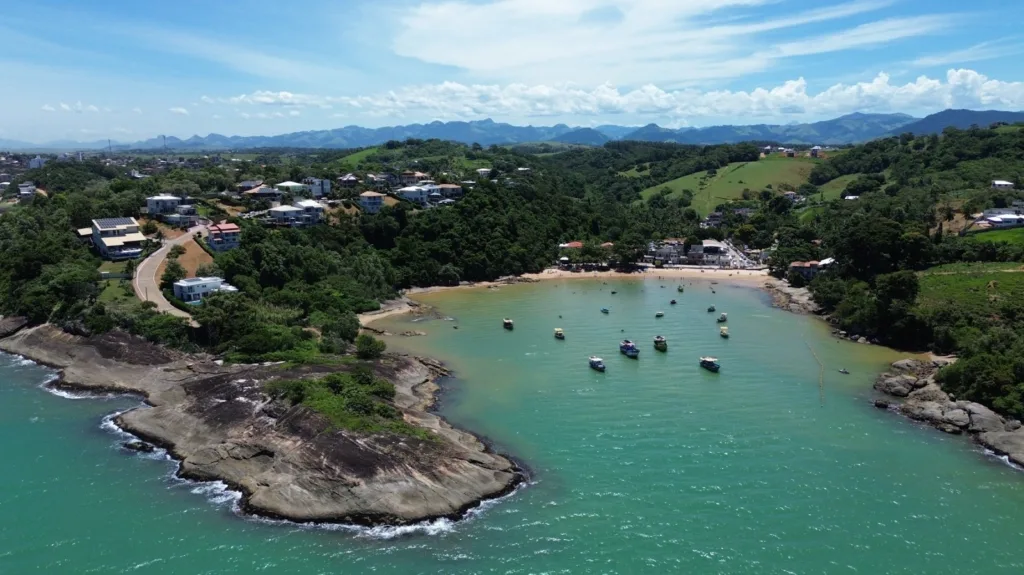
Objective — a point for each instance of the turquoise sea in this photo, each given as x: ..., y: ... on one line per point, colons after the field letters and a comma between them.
x: 653, y: 467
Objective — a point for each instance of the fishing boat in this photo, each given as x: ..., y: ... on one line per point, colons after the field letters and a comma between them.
x: 723, y: 332
x: 597, y: 363
x: 604, y: 310
x: 559, y: 334
x: 673, y: 302
x: 614, y: 292
x: 629, y: 349
x: 710, y: 363
x: 660, y: 343
x: 507, y: 324
x: 844, y: 371
x: 711, y: 309
x: 679, y: 289
x: 723, y: 318
x: 660, y: 314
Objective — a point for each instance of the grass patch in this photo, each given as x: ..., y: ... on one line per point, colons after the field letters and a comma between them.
x: 728, y: 184
x: 356, y: 401
x: 116, y: 292
x: 635, y: 173
x: 113, y: 267
x: 974, y: 267
x: 1012, y: 236
x: 834, y: 190
x: 974, y: 290
x: 356, y: 158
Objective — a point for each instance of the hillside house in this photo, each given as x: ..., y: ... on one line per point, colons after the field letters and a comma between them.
x: 416, y: 194
x: 371, y: 202
x: 184, y: 216
x: 301, y: 213
x: 246, y: 185
x: 26, y: 192
x: 790, y: 153
x: 162, y: 204
x: 293, y: 188
x: 320, y: 188
x: 264, y: 193
x: 115, y: 238
x: 1002, y: 185
x: 348, y: 182
x: 193, y: 290
x: 224, y: 237
x: 409, y: 178
x: 816, y: 151
x: 36, y: 163
x: 450, y: 191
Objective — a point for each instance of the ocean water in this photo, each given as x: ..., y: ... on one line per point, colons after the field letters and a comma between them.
x: 655, y: 466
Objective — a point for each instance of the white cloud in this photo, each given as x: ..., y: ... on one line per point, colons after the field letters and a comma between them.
x: 122, y: 131
x: 789, y: 100
x: 137, y: 110
x: 65, y: 107
x: 217, y: 116
x: 179, y: 111
x: 48, y: 108
x: 207, y: 100
x: 92, y: 109
x: 294, y: 113
x: 680, y: 42
x: 975, y: 53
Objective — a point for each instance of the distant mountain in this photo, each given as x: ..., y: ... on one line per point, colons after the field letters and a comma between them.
x: 847, y: 129
x: 961, y: 119
x: 584, y: 136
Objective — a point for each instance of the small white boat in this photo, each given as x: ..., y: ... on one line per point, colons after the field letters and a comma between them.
x: 597, y: 363
x: 724, y: 332
x: 723, y: 318
x: 710, y: 363
x: 559, y: 334
x: 660, y: 314
x: 660, y: 343
x: 507, y: 324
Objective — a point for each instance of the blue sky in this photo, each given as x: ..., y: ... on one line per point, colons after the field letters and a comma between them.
x: 130, y: 70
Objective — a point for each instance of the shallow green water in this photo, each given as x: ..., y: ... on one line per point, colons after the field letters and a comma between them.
x: 653, y: 467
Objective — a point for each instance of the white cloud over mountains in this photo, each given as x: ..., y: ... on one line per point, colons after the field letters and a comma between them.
x: 789, y: 100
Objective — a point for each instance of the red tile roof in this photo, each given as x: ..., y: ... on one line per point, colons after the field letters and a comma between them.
x: 574, y: 245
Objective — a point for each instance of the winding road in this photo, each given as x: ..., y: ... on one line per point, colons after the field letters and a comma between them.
x: 147, y: 283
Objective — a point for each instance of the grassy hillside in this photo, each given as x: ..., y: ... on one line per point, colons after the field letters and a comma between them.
x: 353, y: 160
x: 834, y: 189
x: 729, y: 183
x: 974, y: 288
x: 1013, y: 236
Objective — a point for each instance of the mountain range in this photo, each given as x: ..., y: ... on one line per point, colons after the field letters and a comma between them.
x: 849, y: 129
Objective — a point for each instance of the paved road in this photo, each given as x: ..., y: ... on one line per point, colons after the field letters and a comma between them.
x: 147, y: 282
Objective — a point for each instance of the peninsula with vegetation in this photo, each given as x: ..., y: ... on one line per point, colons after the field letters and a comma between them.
x: 226, y: 288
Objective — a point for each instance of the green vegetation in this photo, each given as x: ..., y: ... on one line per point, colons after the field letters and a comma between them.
x: 836, y: 189
x: 1012, y: 236
x: 356, y: 401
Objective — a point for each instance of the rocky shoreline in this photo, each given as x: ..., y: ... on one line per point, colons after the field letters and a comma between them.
x: 287, y: 462
x: 911, y: 391
x: 793, y: 299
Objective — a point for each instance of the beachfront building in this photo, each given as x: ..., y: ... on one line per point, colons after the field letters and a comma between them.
x: 716, y: 253
x: 224, y: 237
x: 115, y: 238
x: 371, y: 202
x: 193, y: 290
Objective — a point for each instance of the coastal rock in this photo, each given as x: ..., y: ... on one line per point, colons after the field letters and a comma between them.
x: 907, y: 365
x: 928, y: 411
x: 895, y: 385
x: 983, y: 419
x: 950, y: 429
x: 930, y: 392
x: 140, y: 446
x: 11, y: 325
x: 957, y: 417
x: 862, y: 340
x: 1008, y: 443
x: 1013, y: 425
x: 882, y: 404
x: 288, y: 462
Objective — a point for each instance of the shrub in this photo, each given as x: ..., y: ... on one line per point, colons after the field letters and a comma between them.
x: 369, y: 347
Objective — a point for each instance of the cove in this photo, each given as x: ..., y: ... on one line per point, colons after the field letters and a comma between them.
x: 655, y: 466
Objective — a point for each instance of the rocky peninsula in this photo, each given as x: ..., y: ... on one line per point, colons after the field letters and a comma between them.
x: 287, y: 461
x: 912, y: 391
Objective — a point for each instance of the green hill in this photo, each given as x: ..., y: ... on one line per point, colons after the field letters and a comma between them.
x: 729, y: 182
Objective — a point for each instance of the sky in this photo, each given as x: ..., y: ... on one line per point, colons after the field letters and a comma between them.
x: 130, y: 70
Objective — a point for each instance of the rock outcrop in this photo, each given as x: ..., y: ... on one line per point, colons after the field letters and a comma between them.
x: 925, y: 401
x: 787, y: 297
x: 287, y: 461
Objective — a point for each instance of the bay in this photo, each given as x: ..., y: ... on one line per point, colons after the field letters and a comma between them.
x: 654, y: 466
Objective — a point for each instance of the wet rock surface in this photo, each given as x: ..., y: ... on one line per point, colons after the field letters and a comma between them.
x: 287, y: 461
x: 912, y: 383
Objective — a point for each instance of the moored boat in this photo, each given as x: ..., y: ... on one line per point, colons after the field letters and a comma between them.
x: 673, y: 302
x: 711, y: 309
x: 660, y: 343
x: 604, y: 310
x: 507, y: 324
x: 660, y: 314
x: 679, y: 289
x: 724, y: 332
x: 628, y: 349
x: 710, y: 363
x: 559, y: 334
x: 723, y: 318
x: 597, y: 363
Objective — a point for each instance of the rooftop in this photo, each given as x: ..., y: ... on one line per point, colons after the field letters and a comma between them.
x: 308, y: 204
x: 114, y: 223
x: 222, y: 228
x: 164, y: 198
x: 285, y: 209
x: 371, y: 195
x: 291, y: 184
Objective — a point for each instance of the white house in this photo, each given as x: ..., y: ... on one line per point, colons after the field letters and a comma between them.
x: 312, y: 210
x: 483, y: 172
x: 416, y: 194
x: 1002, y: 185
x: 26, y: 192
x: 371, y: 202
x: 162, y: 204
x: 223, y: 237
x: 320, y: 188
x: 195, y: 289
x: 292, y: 187
x: 348, y: 181
x: 115, y: 238
x: 36, y: 163
x: 815, y: 151
x: 184, y: 215
x: 302, y: 213
x: 851, y: 197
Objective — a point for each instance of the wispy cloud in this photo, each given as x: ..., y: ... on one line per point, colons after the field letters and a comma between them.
x: 179, y: 111
x: 542, y: 41
x: 48, y: 108
x: 65, y: 107
x: 137, y: 110
x: 976, y: 53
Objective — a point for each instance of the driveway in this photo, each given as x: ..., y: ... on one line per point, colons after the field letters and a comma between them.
x: 147, y: 282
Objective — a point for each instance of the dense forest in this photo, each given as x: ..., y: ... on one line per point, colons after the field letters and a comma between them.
x: 896, y: 248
